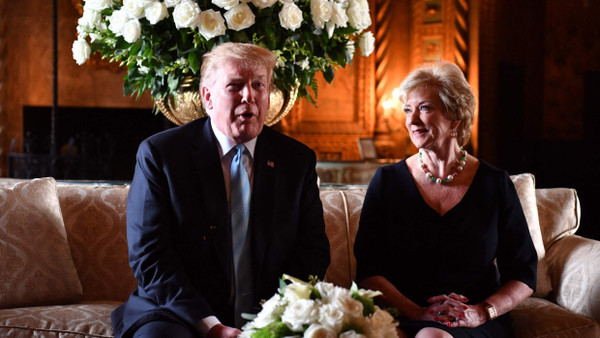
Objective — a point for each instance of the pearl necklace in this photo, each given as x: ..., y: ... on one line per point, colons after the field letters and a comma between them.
x: 461, y: 165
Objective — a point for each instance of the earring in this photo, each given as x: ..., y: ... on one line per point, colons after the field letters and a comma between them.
x: 453, y: 133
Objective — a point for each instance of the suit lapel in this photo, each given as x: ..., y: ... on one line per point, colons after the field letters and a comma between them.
x: 263, y: 198
x: 205, y: 156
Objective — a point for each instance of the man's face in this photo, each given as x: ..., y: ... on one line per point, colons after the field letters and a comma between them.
x: 237, y: 100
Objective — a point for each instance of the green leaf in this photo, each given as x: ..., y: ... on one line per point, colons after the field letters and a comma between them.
x: 274, y: 329
x: 194, y: 61
x: 173, y: 82
x: 328, y: 74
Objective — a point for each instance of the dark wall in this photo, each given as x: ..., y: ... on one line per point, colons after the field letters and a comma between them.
x: 541, y: 115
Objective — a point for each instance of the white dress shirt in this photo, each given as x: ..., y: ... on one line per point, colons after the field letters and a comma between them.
x: 225, y: 144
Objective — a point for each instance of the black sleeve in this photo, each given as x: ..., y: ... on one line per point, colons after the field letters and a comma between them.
x: 516, y: 256
x: 370, y: 233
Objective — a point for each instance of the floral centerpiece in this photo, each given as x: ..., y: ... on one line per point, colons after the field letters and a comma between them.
x: 161, y: 42
x: 320, y: 309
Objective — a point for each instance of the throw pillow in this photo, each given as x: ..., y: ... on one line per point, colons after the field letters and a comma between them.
x: 36, y: 267
x: 525, y: 185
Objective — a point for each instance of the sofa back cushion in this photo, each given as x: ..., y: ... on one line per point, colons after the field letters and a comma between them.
x: 341, y: 210
x: 559, y: 212
x: 36, y: 266
x: 94, y: 216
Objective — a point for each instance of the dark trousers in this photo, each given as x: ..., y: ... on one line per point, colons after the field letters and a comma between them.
x: 164, y: 329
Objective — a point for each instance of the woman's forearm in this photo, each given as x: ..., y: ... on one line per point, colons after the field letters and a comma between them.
x: 392, y: 297
x: 508, y: 296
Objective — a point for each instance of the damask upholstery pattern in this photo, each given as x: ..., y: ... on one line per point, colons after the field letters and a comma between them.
x: 77, y: 320
x: 575, y: 268
x: 36, y: 267
x: 95, y: 221
x: 559, y: 213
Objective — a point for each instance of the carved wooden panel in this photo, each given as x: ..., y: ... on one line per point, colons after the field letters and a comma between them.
x: 344, y: 113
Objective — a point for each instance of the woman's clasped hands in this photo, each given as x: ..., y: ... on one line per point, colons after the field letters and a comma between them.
x: 451, y: 310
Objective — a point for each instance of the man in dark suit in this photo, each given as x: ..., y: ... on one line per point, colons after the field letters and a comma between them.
x: 197, y: 269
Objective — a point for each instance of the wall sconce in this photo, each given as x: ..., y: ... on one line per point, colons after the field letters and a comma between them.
x: 393, y: 102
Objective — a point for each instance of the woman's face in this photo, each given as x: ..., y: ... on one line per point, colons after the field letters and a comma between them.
x: 426, y: 119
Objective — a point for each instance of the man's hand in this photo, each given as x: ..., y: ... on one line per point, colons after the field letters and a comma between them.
x: 222, y: 331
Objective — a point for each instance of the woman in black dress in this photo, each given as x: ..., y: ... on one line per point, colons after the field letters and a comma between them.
x: 442, y: 234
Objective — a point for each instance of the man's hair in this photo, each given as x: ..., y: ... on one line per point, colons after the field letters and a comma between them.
x: 246, y: 54
x: 453, y: 89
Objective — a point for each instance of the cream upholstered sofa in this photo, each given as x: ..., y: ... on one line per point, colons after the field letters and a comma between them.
x: 63, y: 258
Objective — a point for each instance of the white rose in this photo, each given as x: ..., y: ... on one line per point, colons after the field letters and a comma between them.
x: 81, y: 51
x: 358, y: 15
x: 133, y: 9
x: 381, y: 324
x: 350, y: 306
x: 227, y: 4
x: 339, y: 16
x: 367, y: 43
x: 172, y: 3
x: 262, y: 3
x: 211, y: 24
x: 299, y: 313
x: 331, y: 316
x: 320, y: 11
x: 91, y: 18
x: 296, y: 291
x: 325, y: 290
x: 117, y: 20
x: 239, y: 17
x: 186, y: 14
x: 98, y: 5
x: 271, y: 310
x: 132, y: 30
x: 351, y: 334
x: 290, y: 16
x: 145, y: 3
x: 156, y: 12
x: 319, y: 331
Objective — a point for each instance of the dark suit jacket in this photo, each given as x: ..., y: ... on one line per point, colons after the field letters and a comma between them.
x: 178, y: 225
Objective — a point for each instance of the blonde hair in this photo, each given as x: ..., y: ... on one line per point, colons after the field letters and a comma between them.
x: 246, y: 54
x: 453, y: 89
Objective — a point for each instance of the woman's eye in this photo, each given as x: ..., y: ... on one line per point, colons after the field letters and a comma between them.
x: 407, y: 110
x: 425, y: 108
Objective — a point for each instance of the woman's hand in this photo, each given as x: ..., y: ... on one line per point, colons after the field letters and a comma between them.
x: 452, y: 311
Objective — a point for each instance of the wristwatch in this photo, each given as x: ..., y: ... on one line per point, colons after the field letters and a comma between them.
x: 490, y: 310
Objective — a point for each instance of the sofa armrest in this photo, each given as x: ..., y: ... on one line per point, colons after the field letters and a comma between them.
x: 574, y: 268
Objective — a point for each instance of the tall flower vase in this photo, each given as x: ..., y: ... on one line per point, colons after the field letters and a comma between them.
x: 186, y: 105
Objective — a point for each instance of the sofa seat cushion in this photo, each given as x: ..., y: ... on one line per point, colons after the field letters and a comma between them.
x: 537, y: 317
x: 76, y: 320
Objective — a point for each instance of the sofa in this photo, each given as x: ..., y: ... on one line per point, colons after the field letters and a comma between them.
x: 64, y: 268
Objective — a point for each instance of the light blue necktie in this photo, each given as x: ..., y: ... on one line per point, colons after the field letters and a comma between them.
x: 240, y: 213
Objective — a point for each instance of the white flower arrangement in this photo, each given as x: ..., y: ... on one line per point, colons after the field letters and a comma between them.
x: 320, y: 309
x: 161, y: 42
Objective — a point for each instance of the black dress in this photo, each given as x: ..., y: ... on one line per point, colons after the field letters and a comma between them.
x: 424, y: 254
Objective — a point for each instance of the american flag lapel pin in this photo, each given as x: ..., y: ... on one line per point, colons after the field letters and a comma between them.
x: 270, y: 164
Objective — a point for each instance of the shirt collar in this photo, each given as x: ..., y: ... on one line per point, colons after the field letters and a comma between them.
x: 225, y: 143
